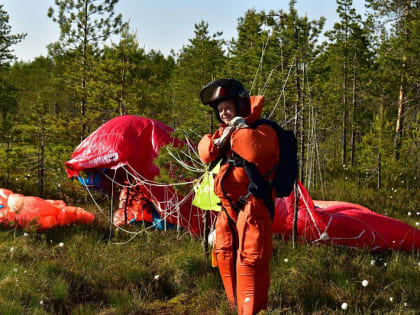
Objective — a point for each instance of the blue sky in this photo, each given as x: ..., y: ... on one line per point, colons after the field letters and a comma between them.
x: 160, y: 24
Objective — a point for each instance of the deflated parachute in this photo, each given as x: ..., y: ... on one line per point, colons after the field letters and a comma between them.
x: 123, y: 141
x: 343, y: 223
x: 119, y: 155
x: 21, y: 211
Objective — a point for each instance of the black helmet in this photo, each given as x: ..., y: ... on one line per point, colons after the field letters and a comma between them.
x: 222, y: 89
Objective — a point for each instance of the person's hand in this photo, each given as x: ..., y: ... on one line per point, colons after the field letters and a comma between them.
x: 220, y: 142
x: 238, y: 122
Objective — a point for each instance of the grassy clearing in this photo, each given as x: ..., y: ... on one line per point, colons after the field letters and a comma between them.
x: 160, y: 273
x: 90, y: 270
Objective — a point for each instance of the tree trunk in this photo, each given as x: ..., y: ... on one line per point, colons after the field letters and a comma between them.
x: 403, y: 86
x: 353, y: 121
x: 123, y: 110
x: 7, y: 161
x: 379, y: 171
x: 401, y: 107
x: 41, y: 158
x: 84, y: 74
x: 344, y: 131
x: 302, y: 129
x: 344, y: 126
x: 296, y: 130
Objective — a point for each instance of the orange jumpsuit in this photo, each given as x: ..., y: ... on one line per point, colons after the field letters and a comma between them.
x: 244, y: 240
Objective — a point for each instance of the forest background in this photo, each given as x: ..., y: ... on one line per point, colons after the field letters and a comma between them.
x: 353, y: 102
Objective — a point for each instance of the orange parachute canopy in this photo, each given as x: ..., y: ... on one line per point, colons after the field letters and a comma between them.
x: 21, y: 211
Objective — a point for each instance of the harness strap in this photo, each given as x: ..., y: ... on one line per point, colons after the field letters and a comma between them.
x: 258, y: 186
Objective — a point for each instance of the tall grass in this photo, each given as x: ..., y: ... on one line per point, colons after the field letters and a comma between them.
x: 92, y: 270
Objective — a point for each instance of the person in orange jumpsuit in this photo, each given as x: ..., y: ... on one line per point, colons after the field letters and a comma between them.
x: 243, y: 244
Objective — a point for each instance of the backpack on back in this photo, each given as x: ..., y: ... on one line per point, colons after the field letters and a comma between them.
x: 285, y: 172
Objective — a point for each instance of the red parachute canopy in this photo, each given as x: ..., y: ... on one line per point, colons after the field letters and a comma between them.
x: 129, y: 144
x: 125, y: 140
x: 27, y: 211
x: 343, y: 223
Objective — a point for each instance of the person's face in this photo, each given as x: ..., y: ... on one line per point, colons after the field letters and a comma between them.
x: 226, y: 110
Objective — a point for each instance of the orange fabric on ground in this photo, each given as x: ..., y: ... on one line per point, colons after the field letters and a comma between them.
x: 244, y: 240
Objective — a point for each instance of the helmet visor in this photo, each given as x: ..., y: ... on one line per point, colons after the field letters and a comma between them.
x: 213, y: 93
x: 222, y: 89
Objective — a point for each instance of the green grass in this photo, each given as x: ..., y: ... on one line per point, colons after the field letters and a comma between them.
x: 98, y: 271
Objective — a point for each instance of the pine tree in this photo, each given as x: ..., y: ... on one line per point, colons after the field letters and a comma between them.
x: 118, y: 84
x: 84, y: 25
x: 197, y: 64
x: 8, y: 92
x: 7, y: 40
x: 405, y: 15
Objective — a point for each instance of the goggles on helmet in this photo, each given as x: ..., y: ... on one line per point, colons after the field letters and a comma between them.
x: 216, y: 91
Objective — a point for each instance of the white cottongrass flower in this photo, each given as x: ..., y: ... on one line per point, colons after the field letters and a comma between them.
x: 324, y: 236
x: 41, y: 302
x: 417, y: 223
x: 344, y: 306
x: 12, y: 249
x: 15, y: 269
x: 286, y: 260
x: 409, y: 213
x: 385, y: 264
x: 391, y: 299
x: 25, y: 234
x: 61, y: 244
x: 418, y: 213
x: 157, y: 277
x: 405, y: 304
x: 373, y: 262
x: 365, y: 283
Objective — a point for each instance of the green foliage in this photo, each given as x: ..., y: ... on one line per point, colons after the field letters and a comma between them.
x: 197, y: 64
x: 7, y: 40
x: 179, y: 163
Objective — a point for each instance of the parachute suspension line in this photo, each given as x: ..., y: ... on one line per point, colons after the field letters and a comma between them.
x: 102, y: 211
x: 309, y: 170
x: 111, y: 215
x: 183, y: 164
x: 316, y: 158
x: 324, y: 235
x: 170, y: 207
x: 194, y: 150
x: 272, y: 70
x: 268, y: 79
x: 260, y: 64
x: 308, y: 210
x: 164, y: 207
x: 283, y: 88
